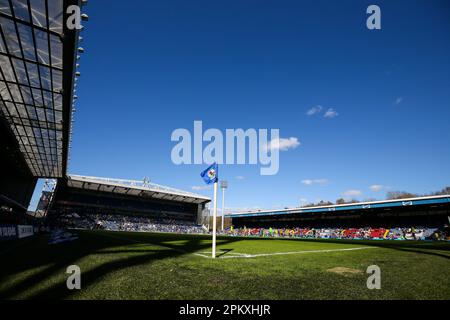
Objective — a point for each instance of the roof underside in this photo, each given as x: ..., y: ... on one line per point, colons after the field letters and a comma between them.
x: 36, y: 81
x: 134, y: 188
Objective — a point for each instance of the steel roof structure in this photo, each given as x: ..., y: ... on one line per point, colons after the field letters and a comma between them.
x: 384, y: 204
x: 134, y: 188
x: 37, y: 76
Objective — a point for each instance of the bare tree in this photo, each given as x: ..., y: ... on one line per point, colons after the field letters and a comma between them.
x: 444, y: 191
x: 392, y: 195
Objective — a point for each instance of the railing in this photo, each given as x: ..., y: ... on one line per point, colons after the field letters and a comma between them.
x: 144, y: 184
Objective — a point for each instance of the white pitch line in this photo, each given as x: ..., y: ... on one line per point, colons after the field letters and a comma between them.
x: 207, y: 254
x: 234, y: 254
x: 244, y: 255
x: 201, y: 255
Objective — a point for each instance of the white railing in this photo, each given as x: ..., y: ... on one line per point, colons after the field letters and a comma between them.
x: 144, y: 184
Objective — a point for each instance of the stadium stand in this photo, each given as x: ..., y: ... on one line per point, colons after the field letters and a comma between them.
x: 127, y: 223
x: 123, y: 205
x: 38, y: 59
x: 410, y: 233
x: 422, y: 218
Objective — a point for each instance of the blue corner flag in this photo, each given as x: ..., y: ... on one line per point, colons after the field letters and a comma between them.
x: 211, y: 174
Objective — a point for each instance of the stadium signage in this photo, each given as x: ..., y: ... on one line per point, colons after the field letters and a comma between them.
x: 8, y: 232
x: 236, y: 146
x: 24, y: 231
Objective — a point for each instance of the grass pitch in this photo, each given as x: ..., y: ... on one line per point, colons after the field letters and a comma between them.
x: 122, y: 265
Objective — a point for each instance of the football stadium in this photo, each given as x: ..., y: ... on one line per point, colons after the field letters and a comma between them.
x: 136, y: 239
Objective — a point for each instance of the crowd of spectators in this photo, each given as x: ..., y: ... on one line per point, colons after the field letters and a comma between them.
x: 408, y: 233
x: 127, y: 223
x: 141, y: 223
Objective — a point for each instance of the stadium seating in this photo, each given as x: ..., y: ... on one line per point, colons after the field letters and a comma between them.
x: 139, y: 223
x: 408, y: 233
x: 126, y: 223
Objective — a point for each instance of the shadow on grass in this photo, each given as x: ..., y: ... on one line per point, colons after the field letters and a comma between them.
x: 44, y: 261
x: 223, y: 252
x: 54, y: 259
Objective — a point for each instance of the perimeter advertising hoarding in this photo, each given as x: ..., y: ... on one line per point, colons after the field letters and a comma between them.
x: 10, y: 231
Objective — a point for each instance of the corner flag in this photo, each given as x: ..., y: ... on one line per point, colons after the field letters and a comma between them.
x: 211, y: 175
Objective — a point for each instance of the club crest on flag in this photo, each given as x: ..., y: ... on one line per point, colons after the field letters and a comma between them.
x: 210, y: 174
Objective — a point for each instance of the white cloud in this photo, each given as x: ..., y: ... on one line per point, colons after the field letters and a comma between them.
x: 241, y: 209
x: 239, y: 177
x: 352, y: 193
x: 331, y: 113
x: 377, y: 187
x: 310, y: 182
x: 314, y: 110
x: 198, y: 188
x: 282, y: 144
x: 398, y: 100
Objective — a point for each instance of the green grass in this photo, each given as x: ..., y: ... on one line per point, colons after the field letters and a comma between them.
x: 121, y: 265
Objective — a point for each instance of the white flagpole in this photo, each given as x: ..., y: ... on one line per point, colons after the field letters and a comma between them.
x: 223, y: 206
x: 214, y: 221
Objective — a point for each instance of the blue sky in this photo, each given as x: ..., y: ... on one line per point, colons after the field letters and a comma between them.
x: 151, y: 67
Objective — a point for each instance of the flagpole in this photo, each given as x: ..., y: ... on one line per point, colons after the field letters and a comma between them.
x: 214, y: 221
x: 223, y: 206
